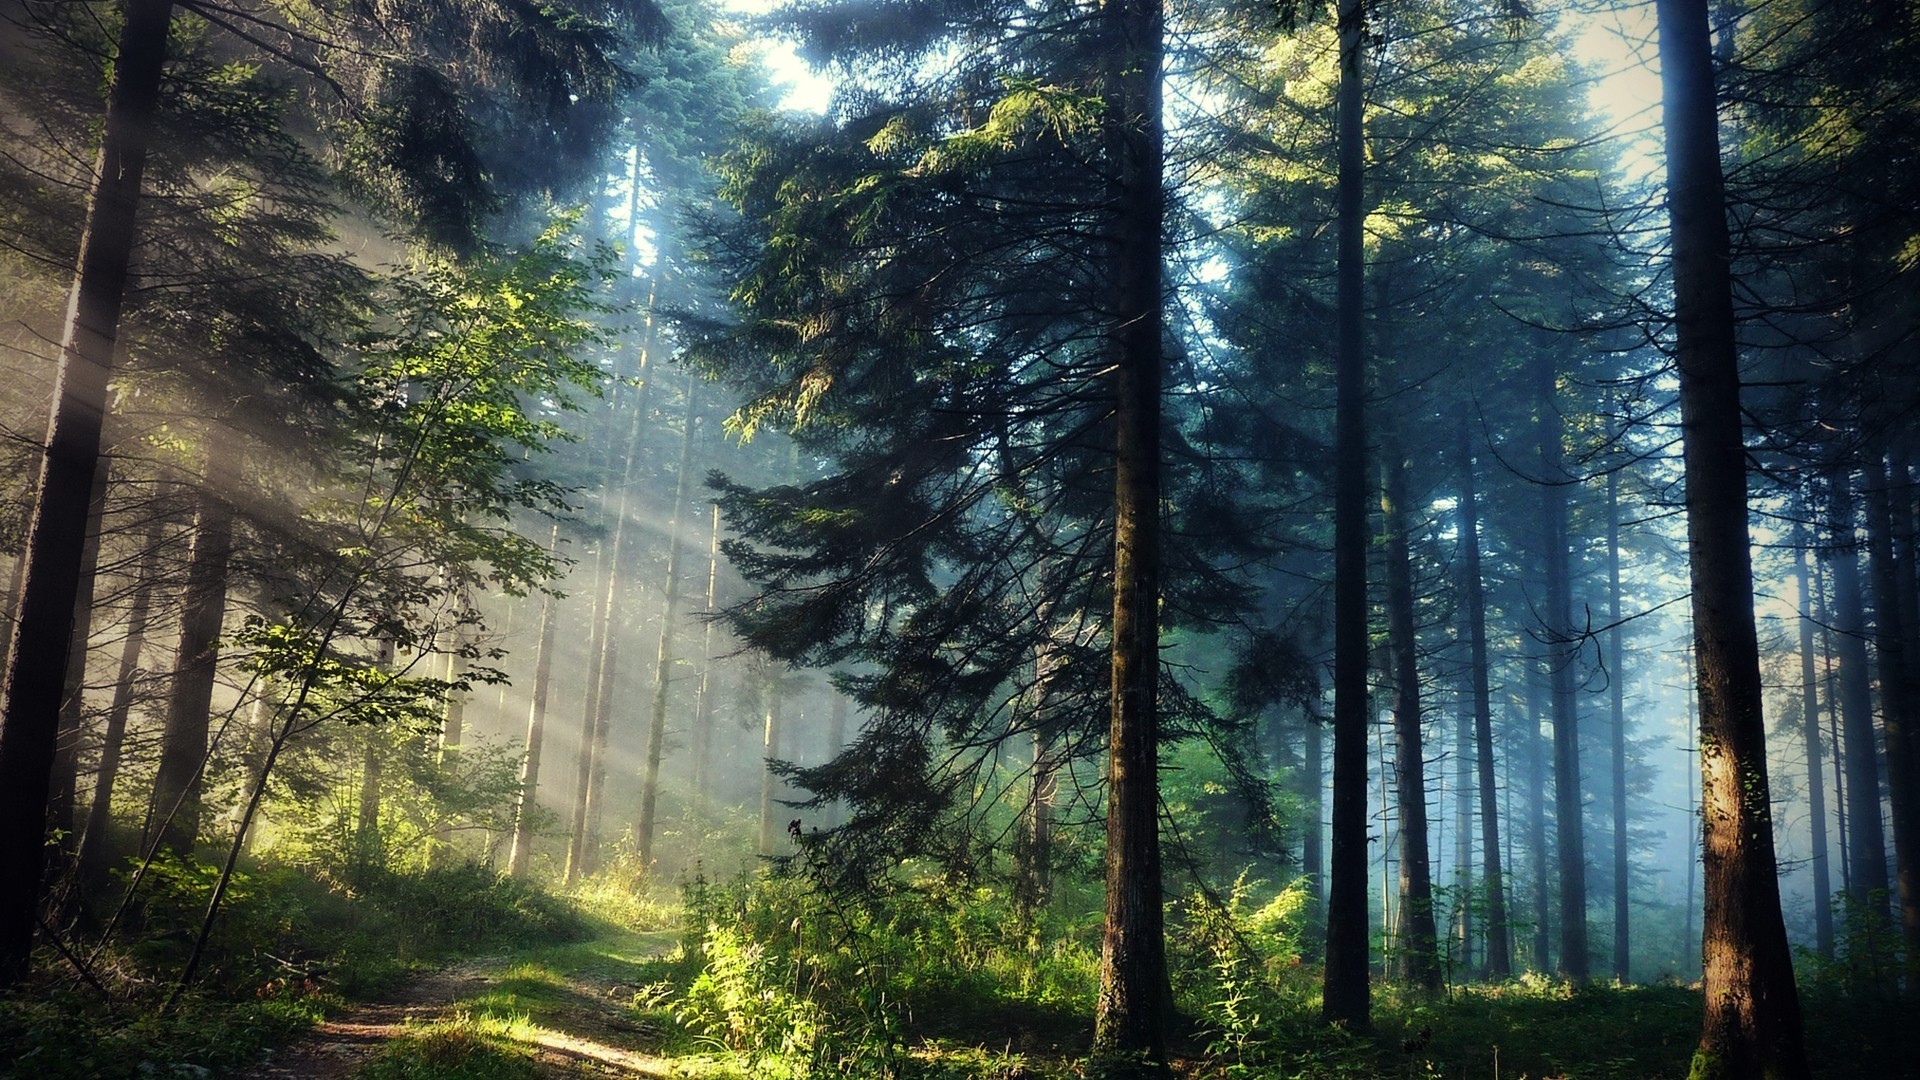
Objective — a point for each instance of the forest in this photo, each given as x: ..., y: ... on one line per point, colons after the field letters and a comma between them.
x: 939, y: 539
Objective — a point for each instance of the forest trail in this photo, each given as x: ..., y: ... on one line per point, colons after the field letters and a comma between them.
x: 572, y: 1021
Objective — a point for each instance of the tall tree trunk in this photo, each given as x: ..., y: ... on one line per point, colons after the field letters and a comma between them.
x: 66, y: 756
x: 1833, y: 724
x: 1810, y: 735
x: 1034, y: 880
x: 1415, y: 931
x: 1752, y: 1022
x: 1865, y: 831
x: 1134, y: 997
x: 595, y: 810
x: 369, y: 845
x: 703, y: 707
x: 1346, y: 997
x: 770, y: 735
x: 1537, y: 820
x: 183, y: 743
x: 1569, y: 833
x: 1499, y: 937
x: 36, y: 667
x: 1313, y: 841
x: 663, y: 656
x: 602, y: 616
x: 1616, y: 699
x: 96, y: 841
x: 1464, y: 928
x: 1898, y: 709
x: 521, y: 856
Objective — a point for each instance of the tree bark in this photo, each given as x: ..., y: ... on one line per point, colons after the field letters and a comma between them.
x: 1616, y: 700
x: 602, y: 616
x: 1752, y: 1022
x: 66, y: 757
x: 1898, y: 709
x: 663, y: 656
x: 183, y: 746
x: 1810, y: 736
x: 1346, y: 997
x: 1537, y: 821
x: 35, y: 671
x: 1499, y: 936
x: 1416, y: 932
x: 769, y: 753
x: 1568, y: 832
x: 520, y: 858
x: 1865, y: 830
x: 703, y: 707
x: 1134, y: 997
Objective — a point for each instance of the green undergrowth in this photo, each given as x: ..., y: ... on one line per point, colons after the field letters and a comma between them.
x: 291, y: 946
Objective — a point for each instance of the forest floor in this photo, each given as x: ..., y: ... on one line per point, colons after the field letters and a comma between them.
x: 554, y: 1013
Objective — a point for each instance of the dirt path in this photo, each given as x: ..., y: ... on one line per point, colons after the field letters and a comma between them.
x: 592, y: 1036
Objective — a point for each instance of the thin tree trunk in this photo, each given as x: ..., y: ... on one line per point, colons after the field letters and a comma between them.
x: 1499, y: 937
x: 1833, y: 725
x: 769, y: 753
x: 703, y: 707
x: 1416, y: 933
x: 1568, y: 832
x: 369, y: 845
x: 1866, y: 831
x: 520, y: 857
x: 602, y: 616
x: 1313, y: 841
x: 1810, y: 735
x: 96, y: 841
x: 1752, y: 1022
x: 1034, y: 876
x: 183, y: 749
x: 1464, y: 929
x: 595, y: 810
x: 663, y: 656
x: 1616, y: 695
x: 1537, y: 822
x: 1898, y: 709
x: 35, y: 671
x: 1346, y: 996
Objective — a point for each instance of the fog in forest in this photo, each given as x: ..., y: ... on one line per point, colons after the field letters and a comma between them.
x: 947, y: 539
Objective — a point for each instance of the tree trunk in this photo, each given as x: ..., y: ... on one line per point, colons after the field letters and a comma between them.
x: 663, y: 656
x: 1616, y: 695
x: 1499, y: 937
x: 1034, y: 878
x: 521, y: 855
x: 1415, y: 930
x: 1810, y: 735
x: 1464, y: 929
x: 66, y: 757
x: 1568, y: 832
x: 769, y: 753
x: 703, y: 707
x: 602, y: 616
x: 369, y: 847
x: 1833, y: 725
x: 596, y: 752
x: 1537, y: 821
x: 1898, y: 709
x: 1135, y: 995
x: 1865, y: 831
x: 1752, y: 1022
x: 96, y: 841
x: 1346, y: 997
x: 35, y: 671
x: 183, y: 744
